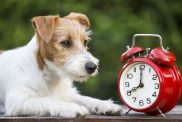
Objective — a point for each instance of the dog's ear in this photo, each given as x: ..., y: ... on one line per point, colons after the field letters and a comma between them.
x: 44, y: 26
x: 81, y: 18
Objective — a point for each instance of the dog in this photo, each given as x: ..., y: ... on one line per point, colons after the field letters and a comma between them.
x: 37, y: 79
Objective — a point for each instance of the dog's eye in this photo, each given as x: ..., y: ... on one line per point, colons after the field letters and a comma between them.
x: 66, y: 43
x: 85, y: 42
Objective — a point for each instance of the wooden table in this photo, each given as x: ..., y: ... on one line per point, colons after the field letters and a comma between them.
x: 173, y: 116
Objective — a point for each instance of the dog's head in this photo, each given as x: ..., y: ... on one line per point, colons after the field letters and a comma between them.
x: 63, y: 45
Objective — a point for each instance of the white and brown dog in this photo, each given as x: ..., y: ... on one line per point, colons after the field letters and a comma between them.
x: 37, y: 79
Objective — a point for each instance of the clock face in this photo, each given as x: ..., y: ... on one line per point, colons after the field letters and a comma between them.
x: 139, y: 85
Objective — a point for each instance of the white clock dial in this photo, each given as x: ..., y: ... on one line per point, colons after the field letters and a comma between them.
x: 139, y: 85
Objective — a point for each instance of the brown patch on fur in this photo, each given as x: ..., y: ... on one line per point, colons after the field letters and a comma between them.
x: 51, y: 31
x: 44, y: 26
x: 39, y: 57
x: 83, y: 19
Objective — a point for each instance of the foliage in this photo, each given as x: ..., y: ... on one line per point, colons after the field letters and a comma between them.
x: 113, y: 23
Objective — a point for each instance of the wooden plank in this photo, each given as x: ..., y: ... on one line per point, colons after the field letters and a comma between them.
x: 174, y: 116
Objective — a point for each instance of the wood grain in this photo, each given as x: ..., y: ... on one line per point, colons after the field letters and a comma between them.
x: 173, y: 116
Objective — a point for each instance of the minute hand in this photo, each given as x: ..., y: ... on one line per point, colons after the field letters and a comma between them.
x: 141, y: 85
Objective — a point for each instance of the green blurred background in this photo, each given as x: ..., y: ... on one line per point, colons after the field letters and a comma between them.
x: 113, y: 23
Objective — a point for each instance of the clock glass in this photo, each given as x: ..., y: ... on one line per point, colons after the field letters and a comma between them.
x: 139, y: 85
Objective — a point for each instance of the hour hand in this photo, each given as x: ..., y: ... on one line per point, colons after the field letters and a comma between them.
x: 133, y: 89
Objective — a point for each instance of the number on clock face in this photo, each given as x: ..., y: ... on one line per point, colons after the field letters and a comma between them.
x: 139, y: 85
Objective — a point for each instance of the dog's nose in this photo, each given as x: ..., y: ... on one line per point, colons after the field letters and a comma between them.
x: 90, y: 67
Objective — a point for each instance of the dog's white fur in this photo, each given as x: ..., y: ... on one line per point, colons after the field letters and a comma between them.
x: 27, y: 90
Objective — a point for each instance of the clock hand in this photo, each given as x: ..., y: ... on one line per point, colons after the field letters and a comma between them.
x: 133, y: 89
x: 141, y: 85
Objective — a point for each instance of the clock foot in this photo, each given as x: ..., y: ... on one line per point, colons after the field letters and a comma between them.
x: 128, y: 112
x: 156, y: 112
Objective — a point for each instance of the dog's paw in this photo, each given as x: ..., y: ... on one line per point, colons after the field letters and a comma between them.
x: 69, y: 110
x: 81, y: 111
x: 108, y: 108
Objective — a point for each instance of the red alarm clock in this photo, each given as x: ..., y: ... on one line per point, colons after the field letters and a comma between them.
x: 150, y: 81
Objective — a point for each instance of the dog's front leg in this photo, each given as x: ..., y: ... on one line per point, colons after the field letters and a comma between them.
x: 42, y: 106
x: 95, y: 106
